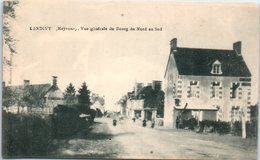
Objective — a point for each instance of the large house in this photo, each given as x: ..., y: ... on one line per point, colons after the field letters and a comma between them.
x: 33, y: 98
x: 206, y: 84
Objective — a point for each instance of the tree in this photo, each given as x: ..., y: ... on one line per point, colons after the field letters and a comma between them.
x: 84, y: 95
x: 122, y: 102
x: 154, y: 99
x: 33, y: 97
x: 8, y: 38
x: 18, y: 98
x: 9, y: 13
x: 8, y: 97
x: 70, y: 94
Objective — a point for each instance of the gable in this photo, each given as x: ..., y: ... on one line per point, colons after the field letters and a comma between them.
x: 171, y: 64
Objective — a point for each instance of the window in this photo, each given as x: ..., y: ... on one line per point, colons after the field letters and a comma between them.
x: 177, y: 102
x: 234, y: 90
x: 216, y: 68
x: 193, y: 89
x: 179, y: 89
x: 174, y: 90
x: 216, y: 90
x: 236, y: 114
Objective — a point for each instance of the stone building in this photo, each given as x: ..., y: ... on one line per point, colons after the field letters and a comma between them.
x: 34, y: 98
x: 214, y: 83
x: 143, y: 102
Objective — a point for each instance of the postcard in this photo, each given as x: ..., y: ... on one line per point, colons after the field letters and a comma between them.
x: 128, y: 79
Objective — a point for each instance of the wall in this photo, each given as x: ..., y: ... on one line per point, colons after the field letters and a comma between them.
x: 53, y: 99
x: 132, y: 105
x: 209, y: 115
x: 169, y: 80
x: 181, y: 84
x: 225, y: 103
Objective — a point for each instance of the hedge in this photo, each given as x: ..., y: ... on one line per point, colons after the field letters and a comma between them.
x: 67, y: 120
x: 31, y: 135
x: 25, y: 135
x: 221, y: 127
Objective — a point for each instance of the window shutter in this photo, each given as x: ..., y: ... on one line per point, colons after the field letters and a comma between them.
x: 239, y: 93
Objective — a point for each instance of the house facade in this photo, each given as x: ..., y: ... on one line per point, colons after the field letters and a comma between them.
x: 34, y: 98
x: 206, y: 84
x: 98, y: 105
x: 143, y: 103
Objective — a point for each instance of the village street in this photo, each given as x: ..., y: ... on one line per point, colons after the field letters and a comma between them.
x: 131, y: 140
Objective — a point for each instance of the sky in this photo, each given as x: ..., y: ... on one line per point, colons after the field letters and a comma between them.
x: 110, y: 62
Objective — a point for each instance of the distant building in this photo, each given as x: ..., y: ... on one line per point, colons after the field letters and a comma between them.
x: 143, y: 103
x: 98, y: 104
x: 215, y: 84
x: 35, y: 98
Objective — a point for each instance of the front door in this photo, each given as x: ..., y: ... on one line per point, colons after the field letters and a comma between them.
x: 148, y: 115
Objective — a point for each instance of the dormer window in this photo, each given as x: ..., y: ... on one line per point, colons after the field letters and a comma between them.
x: 216, y: 68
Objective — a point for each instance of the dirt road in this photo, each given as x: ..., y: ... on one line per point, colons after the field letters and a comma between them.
x: 131, y: 140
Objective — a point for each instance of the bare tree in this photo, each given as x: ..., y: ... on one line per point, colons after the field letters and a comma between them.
x: 8, y: 38
x: 8, y: 97
x: 33, y: 97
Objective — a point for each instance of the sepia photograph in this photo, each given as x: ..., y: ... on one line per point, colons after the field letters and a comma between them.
x: 129, y: 80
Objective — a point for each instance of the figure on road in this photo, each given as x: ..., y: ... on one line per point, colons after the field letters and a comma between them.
x: 177, y: 122
x: 144, y: 123
x: 114, y: 122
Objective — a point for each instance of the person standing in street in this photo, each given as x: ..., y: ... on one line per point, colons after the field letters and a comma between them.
x: 177, y: 122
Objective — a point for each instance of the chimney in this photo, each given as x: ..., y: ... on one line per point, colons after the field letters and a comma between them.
x: 54, y: 81
x: 173, y: 44
x: 237, y: 47
x: 138, y: 87
x: 26, y: 83
x: 157, y: 85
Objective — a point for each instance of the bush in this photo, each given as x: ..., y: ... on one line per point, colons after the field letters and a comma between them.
x: 236, y: 128
x: 191, y: 123
x: 251, y: 128
x: 28, y: 135
x: 67, y: 120
x: 25, y: 135
x: 216, y: 126
x: 222, y: 127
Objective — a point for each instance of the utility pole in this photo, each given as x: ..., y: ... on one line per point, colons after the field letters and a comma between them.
x: 243, y: 123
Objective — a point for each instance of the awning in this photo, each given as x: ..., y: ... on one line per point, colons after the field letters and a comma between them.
x: 196, y: 108
x: 145, y: 109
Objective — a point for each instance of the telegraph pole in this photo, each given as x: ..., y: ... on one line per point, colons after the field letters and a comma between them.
x: 243, y: 124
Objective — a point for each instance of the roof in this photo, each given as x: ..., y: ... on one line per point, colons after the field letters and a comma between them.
x: 43, y: 88
x: 198, y: 62
x: 145, y: 89
x: 95, y: 98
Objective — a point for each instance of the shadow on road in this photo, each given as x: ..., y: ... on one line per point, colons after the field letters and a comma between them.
x: 96, y: 141
x: 92, y: 134
x: 89, y: 135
